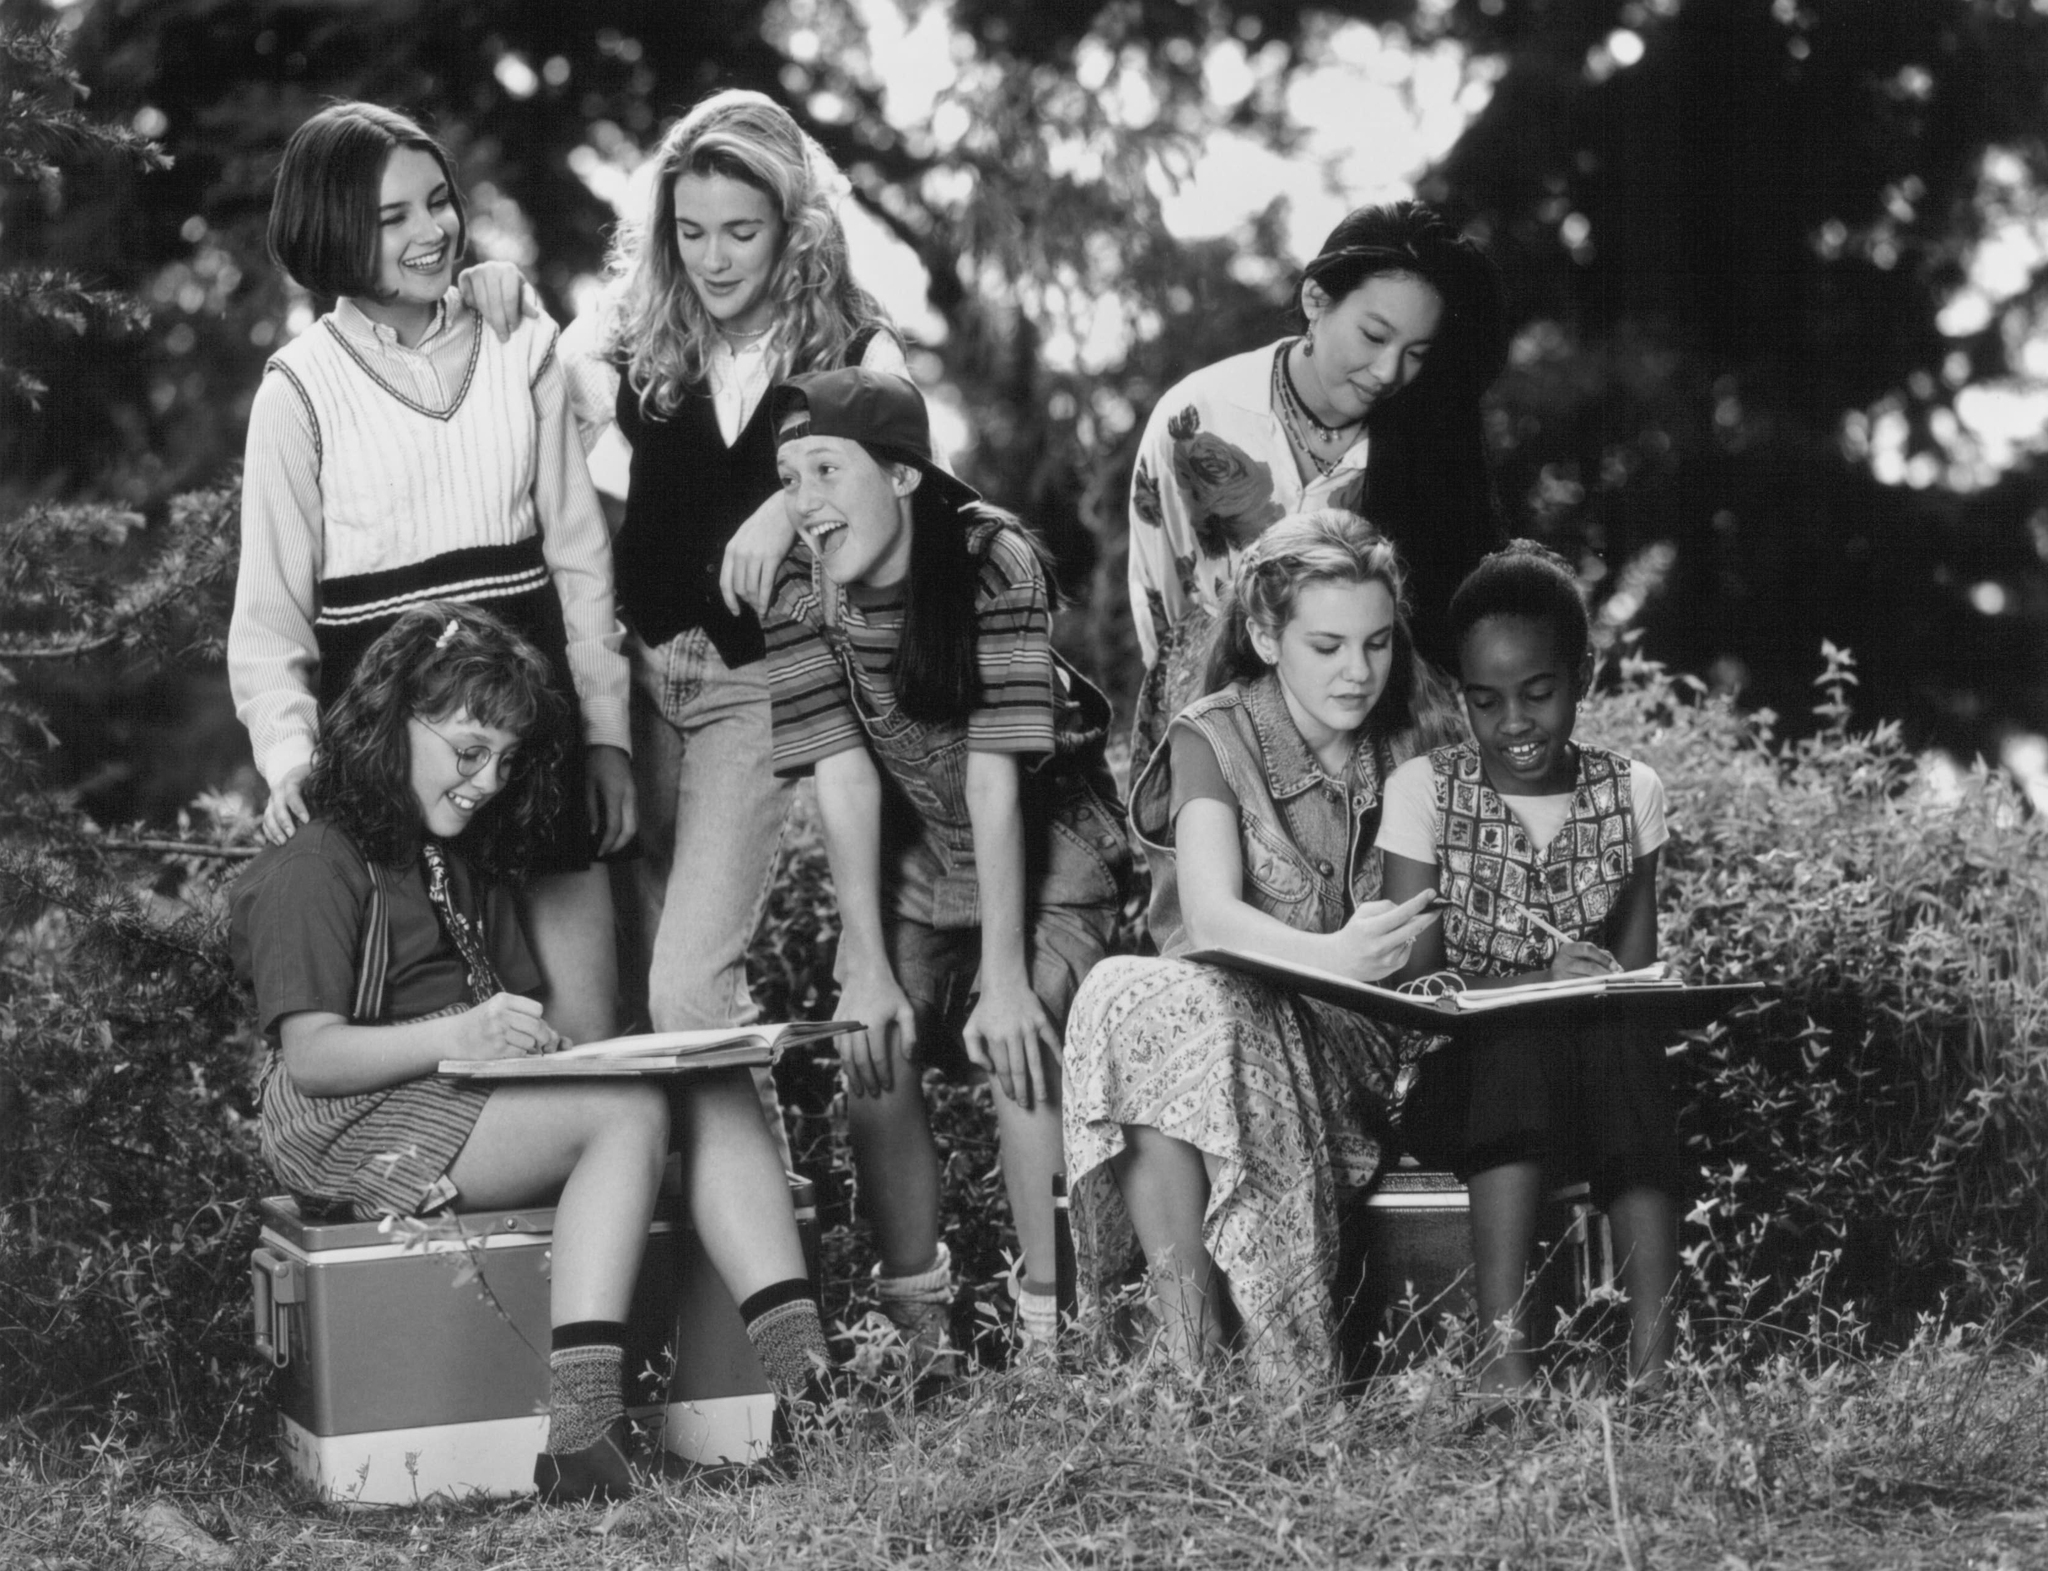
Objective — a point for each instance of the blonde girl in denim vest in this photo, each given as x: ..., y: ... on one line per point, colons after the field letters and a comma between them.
x: 1211, y: 1119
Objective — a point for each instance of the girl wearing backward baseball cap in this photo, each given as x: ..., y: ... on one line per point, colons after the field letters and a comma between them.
x: 973, y: 828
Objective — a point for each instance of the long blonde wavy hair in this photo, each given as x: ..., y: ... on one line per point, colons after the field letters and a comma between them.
x: 654, y: 313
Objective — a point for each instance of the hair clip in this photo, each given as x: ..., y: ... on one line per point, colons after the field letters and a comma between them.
x: 448, y: 634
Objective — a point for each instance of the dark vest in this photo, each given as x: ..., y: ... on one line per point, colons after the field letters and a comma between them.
x: 686, y: 496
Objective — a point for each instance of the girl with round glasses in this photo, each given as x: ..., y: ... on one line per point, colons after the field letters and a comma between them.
x: 382, y: 938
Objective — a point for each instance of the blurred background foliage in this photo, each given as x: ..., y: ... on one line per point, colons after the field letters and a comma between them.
x: 1777, y: 270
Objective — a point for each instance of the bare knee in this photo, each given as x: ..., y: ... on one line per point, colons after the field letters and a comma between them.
x: 718, y: 1102
x: 636, y: 1113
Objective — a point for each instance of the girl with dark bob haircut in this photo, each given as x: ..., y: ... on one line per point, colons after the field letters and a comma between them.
x: 398, y: 453
x: 324, y: 222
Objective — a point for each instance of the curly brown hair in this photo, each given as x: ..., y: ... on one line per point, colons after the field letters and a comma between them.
x: 437, y: 659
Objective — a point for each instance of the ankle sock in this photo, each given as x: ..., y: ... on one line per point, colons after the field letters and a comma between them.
x: 920, y: 1306
x: 783, y: 1324
x: 1038, y: 1309
x: 586, y: 1367
x: 931, y: 1286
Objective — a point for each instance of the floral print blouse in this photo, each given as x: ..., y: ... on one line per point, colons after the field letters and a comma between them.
x: 1214, y: 470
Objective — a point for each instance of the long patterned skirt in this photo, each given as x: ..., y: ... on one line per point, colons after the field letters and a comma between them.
x: 1285, y: 1096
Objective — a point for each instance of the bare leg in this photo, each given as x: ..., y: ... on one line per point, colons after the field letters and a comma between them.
x: 1505, y: 1202
x: 1165, y: 1185
x: 602, y: 1146
x: 1645, y: 1224
x: 733, y: 1175
x: 1032, y: 1153
x: 898, y: 1168
x: 569, y: 921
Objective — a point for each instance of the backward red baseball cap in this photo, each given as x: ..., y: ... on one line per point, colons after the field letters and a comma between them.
x: 880, y: 410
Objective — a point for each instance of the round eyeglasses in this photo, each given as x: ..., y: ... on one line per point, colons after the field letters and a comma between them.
x: 470, y: 760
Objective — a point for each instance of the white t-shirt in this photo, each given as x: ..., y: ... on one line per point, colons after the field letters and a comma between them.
x: 1410, y: 824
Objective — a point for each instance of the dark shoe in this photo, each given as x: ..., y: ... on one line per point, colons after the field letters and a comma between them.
x: 597, y: 1472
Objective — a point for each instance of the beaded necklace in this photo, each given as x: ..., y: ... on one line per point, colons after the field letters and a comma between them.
x: 1298, y: 423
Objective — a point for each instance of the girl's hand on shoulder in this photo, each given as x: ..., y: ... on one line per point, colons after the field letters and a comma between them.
x: 503, y: 1026
x: 286, y: 809
x: 754, y: 556
x: 1009, y: 1034
x: 499, y: 293
x: 870, y: 1056
x: 1582, y: 959
x: 1381, y: 935
x: 608, y: 794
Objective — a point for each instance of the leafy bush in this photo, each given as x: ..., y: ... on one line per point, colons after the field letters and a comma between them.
x: 128, y: 1168
x: 1890, y: 1108
x: 1873, y: 1135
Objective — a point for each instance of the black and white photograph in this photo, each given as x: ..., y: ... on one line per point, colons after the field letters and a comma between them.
x: 1043, y: 783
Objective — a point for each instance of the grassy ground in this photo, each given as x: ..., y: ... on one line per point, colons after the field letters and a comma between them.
x: 1934, y: 1456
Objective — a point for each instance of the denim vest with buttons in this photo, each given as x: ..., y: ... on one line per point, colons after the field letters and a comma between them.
x: 1307, y: 840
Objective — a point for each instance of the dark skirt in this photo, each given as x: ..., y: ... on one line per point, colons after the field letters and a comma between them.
x: 1593, y: 1104
x: 512, y: 583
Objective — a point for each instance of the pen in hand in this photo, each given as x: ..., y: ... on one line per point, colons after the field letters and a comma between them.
x: 1550, y: 930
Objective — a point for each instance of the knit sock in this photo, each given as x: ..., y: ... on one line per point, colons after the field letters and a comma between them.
x: 783, y: 1324
x: 586, y: 1368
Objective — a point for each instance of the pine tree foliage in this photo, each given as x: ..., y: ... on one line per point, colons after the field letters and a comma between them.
x: 126, y: 1163
x: 39, y: 123
x: 42, y: 128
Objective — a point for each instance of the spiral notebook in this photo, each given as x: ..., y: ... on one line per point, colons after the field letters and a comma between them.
x: 653, y: 1053
x: 1651, y: 995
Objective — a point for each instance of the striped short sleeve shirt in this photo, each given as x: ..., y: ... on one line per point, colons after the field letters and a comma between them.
x: 1025, y: 703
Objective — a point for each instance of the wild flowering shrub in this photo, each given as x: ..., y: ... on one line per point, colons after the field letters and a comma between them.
x: 1888, y: 1113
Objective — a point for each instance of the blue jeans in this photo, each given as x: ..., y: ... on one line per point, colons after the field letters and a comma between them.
x: 711, y: 816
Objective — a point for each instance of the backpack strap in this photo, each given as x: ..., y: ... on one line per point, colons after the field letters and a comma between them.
x: 857, y: 346
x: 374, y: 960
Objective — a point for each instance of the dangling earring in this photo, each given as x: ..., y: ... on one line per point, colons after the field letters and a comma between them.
x: 1308, y: 342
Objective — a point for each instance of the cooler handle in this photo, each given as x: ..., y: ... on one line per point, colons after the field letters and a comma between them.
x: 273, y: 1289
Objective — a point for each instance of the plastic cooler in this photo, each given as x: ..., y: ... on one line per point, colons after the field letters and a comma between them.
x: 1408, y: 1248
x: 412, y: 1358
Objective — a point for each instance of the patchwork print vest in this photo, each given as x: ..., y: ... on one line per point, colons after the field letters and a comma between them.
x: 1490, y: 871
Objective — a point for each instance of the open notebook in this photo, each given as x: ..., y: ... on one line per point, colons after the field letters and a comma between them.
x: 1651, y: 992
x: 656, y: 1052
